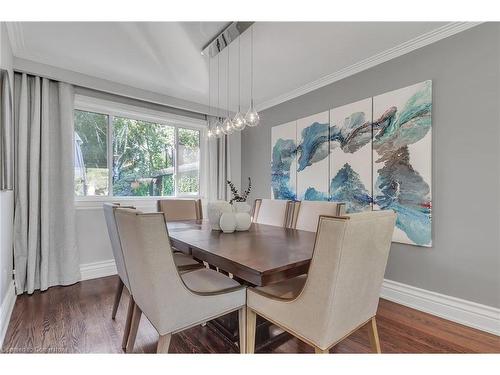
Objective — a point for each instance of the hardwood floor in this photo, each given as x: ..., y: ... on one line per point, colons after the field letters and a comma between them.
x: 77, y: 319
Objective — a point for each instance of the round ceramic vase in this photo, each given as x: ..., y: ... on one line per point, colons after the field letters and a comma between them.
x: 243, y: 221
x: 241, y: 207
x: 227, y: 222
x: 215, y: 210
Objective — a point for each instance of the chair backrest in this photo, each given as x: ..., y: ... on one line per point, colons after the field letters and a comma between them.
x: 272, y: 212
x: 116, y: 246
x: 306, y: 213
x: 180, y: 209
x: 345, y: 276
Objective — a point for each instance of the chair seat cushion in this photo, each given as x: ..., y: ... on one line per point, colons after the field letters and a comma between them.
x: 288, y: 289
x: 208, y: 281
x: 184, y: 260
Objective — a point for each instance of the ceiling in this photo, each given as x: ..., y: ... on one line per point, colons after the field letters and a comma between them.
x: 165, y: 58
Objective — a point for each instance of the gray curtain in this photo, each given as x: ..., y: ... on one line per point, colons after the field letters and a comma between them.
x: 6, y: 133
x: 45, y: 251
x: 219, y: 167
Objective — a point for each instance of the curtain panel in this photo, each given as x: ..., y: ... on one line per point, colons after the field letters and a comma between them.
x: 45, y: 252
x: 219, y: 168
x: 6, y: 133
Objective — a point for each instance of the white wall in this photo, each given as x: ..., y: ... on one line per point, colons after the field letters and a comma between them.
x: 7, y: 295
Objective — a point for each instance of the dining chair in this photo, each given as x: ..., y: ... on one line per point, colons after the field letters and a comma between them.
x: 170, y: 300
x: 305, y: 214
x: 272, y: 212
x: 184, y: 262
x: 340, y: 294
x: 180, y: 209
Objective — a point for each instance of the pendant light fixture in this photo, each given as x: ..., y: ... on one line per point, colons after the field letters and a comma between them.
x: 218, y: 124
x: 227, y: 124
x: 252, y: 117
x: 239, y: 120
x: 210, y: 133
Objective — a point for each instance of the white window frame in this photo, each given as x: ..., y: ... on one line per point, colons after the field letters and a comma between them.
x: 114, y: 109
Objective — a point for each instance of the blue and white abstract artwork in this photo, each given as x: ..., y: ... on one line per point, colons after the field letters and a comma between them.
x: 375, y: 153
x: 351, y: 155
x: 312, y: 157
x: 402, y: 160
x: 284, y: 161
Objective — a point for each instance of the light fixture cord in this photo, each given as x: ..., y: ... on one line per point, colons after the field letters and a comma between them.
x: 239, y: 74
x: 209, y: 91
x: 227, y: 83
x: 251, y: 72
x: 218, y: 85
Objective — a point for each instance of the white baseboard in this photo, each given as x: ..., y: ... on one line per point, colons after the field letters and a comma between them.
x: 6, y: 311
x: 98, y: 269
x: 471, y: 314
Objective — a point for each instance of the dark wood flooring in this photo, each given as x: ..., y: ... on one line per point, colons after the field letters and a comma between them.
x: 77, y: 319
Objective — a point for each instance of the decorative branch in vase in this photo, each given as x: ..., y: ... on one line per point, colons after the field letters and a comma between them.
x: 237, y: 197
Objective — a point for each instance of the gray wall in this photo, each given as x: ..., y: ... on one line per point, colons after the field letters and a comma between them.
x: 465, y: 69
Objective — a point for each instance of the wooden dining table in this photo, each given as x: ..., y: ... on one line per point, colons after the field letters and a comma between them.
x: 263, y: 255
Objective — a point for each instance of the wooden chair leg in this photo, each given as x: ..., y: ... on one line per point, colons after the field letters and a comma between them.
x: 118, y: 295
x: 250, y: 333
x: 242, y: 323
x: 373, y: 334
x: 163, y: 343
x: 134, y: 326
x: 320, y: 351
x: 128, y: 322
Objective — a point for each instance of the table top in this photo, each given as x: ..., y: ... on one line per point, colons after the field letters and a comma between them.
x: 263, y: 255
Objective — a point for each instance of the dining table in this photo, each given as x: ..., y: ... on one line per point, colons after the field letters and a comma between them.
x: 260, y: 256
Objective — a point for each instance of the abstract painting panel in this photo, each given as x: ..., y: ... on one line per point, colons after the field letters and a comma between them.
x: 402, y: 160
x: 284, y: 161
x: 351, y: 155
x: 312, y: 157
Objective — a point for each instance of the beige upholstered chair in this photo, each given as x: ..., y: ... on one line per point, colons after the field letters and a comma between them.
x: 340, y: 293
x: 180, y: 209
x: 172, y: 302
x: 182, y: 261
x: 306, y: 213
x: 272, y: 212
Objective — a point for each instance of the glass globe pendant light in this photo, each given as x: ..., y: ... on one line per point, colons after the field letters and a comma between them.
x: 252, y: 117
x: 218, y: 128
x: 210, y: 132
x: 239, y: 120
x: 227, y: 125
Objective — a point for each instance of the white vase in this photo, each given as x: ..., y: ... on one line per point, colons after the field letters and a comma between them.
x: 243, y: 221
x: 241, y: 207
x: 227, y: 222
x: 215, y: 210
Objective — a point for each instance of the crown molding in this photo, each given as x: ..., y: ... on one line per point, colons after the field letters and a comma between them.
x: 423, y: 40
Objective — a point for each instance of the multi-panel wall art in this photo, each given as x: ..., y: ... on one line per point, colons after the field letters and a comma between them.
x: 371, y: 154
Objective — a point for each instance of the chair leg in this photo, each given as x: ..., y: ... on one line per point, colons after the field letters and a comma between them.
x: 320, y: 351
x: 134, y: 326
x: 118, y: 295
x: 242, y: 322
x: 251, y: 325
x: 373, y: 334
x: 128, y: 322
x: 163, y: 343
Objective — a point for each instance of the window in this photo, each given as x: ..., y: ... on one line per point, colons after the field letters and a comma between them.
x: 130, y: 156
